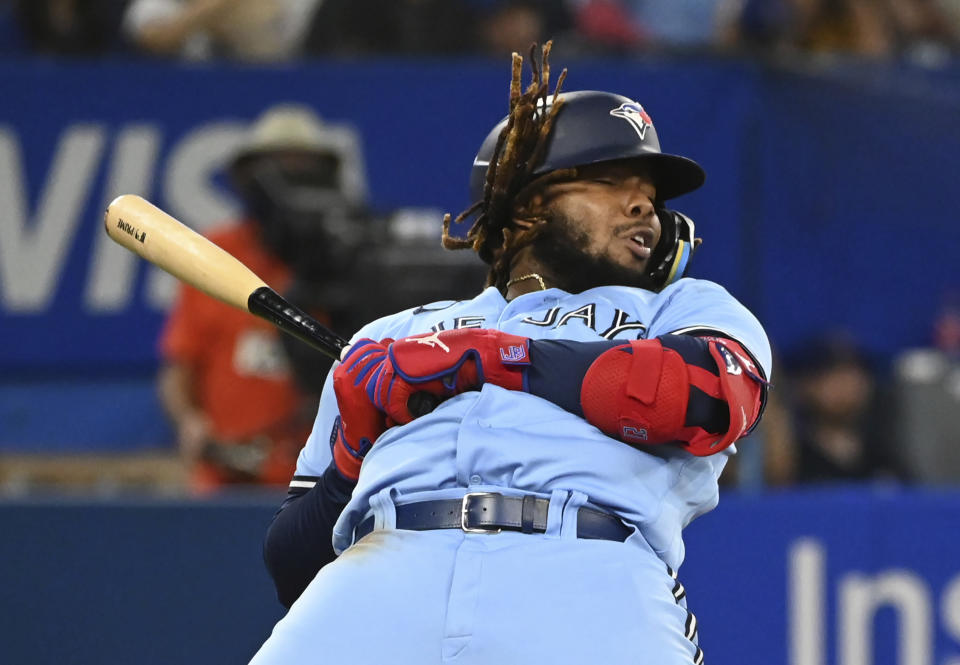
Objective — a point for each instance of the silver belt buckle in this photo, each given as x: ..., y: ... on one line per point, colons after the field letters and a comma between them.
x: 464, y: 509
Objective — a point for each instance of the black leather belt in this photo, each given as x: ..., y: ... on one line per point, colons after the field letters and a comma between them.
x: 490, y: 512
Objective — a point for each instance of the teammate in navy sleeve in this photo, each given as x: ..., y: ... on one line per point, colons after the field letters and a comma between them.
x: 588, y: 400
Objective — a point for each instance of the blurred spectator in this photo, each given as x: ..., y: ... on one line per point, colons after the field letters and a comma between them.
x: 922, y: 30
x: 678, y: 24
x: 351, y: 28
x: 623, y: 25
x: 928, y: 401
x: 842, y: 426
x: 763, y: 25
x: 70, y: 27
x: 513, y: 25
x: 858, y: 27
x: 608, y: 25
x: 767, y: 456
x: 11, y: 33
x: 869, y: 28
x: 951, y: 12
x: 250, y: 30
x: 226, y: 382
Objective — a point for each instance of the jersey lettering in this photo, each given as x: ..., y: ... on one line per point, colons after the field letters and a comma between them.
x: 547, y: 321
x: 554, y: 318
x: 461, y: 322
x: 620, y: 324
x: 587, y: 313
x: 468, y: 322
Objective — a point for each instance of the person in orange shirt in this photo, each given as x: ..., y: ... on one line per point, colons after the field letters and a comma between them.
x: 226, y: 381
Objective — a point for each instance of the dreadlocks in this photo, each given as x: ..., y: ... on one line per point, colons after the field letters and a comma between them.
x: 509, y: 184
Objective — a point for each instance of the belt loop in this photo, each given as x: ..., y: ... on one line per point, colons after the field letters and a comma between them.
x: 570, y: 514
x: 382, y: 506
x: 558, y: 498
x: 528, y: 512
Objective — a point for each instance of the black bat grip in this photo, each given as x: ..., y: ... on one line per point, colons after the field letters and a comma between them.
x: 270, y: 305
x: 422, y: 403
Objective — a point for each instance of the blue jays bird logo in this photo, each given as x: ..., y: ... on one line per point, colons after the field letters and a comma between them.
x: 633, y: 113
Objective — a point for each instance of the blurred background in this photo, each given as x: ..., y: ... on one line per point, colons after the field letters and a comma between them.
x: 147, y: 433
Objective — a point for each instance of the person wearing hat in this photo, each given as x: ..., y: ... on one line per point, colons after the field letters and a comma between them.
x: 226, y: 382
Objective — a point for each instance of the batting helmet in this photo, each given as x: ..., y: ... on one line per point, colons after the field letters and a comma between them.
x: 593, y: 127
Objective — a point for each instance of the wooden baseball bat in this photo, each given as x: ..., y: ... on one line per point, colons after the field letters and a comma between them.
x: 149, y: 232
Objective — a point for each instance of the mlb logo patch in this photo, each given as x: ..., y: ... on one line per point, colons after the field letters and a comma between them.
x: 633, y: 113
x: 631, y: 433
x: 514, y: 354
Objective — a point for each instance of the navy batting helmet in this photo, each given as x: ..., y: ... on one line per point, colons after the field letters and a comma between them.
x: 592, y: 127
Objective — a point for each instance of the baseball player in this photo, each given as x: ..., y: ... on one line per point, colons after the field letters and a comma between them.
x: 589, y: 398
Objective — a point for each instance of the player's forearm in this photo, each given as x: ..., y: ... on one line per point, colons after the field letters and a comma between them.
x: 299, y: 541
x: 557, y: 369
x: 702, y: 392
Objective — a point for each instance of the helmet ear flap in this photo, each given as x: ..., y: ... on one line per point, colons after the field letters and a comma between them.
x: 671, y: 257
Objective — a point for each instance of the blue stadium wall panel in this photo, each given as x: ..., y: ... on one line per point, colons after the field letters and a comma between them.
x: 819, y: 577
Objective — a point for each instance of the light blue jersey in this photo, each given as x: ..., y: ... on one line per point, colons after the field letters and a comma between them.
x: 440, y: 596
x: 506, y: 441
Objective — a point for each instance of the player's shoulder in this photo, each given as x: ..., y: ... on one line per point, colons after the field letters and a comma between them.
x: 415, y: 320
x: 699, y: 306
x: 691, y: 287
x: 686, y: 290
x: 704, y: 302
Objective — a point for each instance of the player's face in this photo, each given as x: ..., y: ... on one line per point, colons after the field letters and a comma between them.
x: 601, y: 228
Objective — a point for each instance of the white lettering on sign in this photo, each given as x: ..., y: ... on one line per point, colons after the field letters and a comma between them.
x: 36, y: 244
x: 807, y: 605
x: 950, y: 613
x: 189, y: 193
x: 861, y: 596
x: 859, y: 599
x: 34, y: 247
x: 112, y: 268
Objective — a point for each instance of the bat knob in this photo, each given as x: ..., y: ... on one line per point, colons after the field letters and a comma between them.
x: 422, y: 403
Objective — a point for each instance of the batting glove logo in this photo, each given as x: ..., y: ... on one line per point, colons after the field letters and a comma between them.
x: 513, y: 354
x: 433, y: 341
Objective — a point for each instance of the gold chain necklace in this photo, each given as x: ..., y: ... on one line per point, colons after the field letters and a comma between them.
x: 533, y: 275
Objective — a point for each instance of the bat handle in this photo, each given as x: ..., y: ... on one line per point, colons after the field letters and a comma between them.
x: 422, y: 403
x: 419, y: 403
x: 269, y: 305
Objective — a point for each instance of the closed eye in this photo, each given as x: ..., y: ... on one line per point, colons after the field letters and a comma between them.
x: 602, y: 181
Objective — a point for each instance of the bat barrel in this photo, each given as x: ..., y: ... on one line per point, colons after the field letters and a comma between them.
x: 149, y: 232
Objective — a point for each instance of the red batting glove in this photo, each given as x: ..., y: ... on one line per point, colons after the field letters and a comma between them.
x: 360, y: 421
x: 444, y: 364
